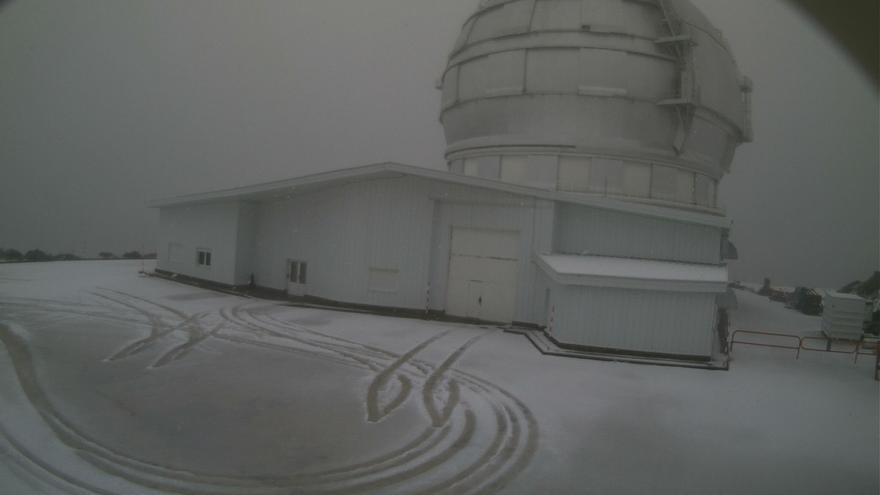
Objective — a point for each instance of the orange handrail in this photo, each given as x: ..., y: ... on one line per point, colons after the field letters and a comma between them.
x: 769, y: 334
x: 828, y: 343
x: 802, y: 344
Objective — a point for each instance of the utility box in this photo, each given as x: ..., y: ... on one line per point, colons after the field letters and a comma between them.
x: 844, y: 316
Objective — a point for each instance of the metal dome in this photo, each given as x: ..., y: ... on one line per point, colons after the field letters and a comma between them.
x: 637, y: 100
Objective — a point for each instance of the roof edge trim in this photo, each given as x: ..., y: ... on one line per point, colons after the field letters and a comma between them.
x: 241, y: 193
x: 630, y: 282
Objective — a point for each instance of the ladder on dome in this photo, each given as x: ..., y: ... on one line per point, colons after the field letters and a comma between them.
x: 681, y: 44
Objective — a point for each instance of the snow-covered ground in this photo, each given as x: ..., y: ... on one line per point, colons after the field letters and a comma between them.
x: 115, y: 383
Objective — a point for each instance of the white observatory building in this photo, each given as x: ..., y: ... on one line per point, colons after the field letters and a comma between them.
x: 586, y: 141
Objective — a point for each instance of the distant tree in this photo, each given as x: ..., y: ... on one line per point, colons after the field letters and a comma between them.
x: 66, y: 257
x: 150, y: 256
x: 106, y: 255
x: 10, y: 254
x: 132, y: 255
x: 37, y: 255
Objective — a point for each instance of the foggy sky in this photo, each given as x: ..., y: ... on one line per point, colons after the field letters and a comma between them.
x: 106, y: 104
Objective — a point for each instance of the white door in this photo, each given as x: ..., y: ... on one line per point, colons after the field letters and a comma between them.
x: 483, y: 269
x: 297, y: 273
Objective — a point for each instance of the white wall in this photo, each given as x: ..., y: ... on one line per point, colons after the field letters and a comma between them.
x: 211, y: 226
x: 584, y: 230
x: 476, y: 209
x: 246, y: 242
x: 401, y: 224
x: 344, y: 231
x: 679, y: 323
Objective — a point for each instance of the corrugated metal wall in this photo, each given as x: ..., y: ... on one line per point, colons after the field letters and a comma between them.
x: 211, y: 226
x: 475, y: 209
x: 342, y: 232
x: 385, y: 242
x: 245, y: 242
x: 388, y: 225
x: 644, y: 321
x: 583, y: 230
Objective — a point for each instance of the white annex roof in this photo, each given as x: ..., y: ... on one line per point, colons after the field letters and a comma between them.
x: 625, y: 273
x: 284, y: 188
x: 833, y: 294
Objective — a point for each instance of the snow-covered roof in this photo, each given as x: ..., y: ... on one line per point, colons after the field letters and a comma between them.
x: 843, y: 297
x: 625, y: 273
x: 267, y: 190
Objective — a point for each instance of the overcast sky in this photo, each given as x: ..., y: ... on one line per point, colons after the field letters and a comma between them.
x: 106, y: 104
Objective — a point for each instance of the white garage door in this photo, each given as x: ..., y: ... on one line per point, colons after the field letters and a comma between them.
x: 483, y: 268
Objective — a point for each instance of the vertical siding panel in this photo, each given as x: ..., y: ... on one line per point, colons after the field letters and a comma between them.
x: 647, y: 321
x: 582, y: 229
x: 479, y: 209
x: 213, y: 226
x: 342, y: 231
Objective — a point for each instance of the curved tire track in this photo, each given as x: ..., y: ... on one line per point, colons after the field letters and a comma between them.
x: 452, y: 399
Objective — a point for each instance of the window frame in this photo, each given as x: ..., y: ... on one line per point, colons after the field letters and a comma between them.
x: 204, y: 257
x: 297, y: 272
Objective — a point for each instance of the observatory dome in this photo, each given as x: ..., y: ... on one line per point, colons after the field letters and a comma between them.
x: 638, y: 100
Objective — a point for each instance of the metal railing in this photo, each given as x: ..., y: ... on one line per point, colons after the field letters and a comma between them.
x: 873, y: 344
x: 828, y: 345
x: 795, y: 346
x: 798, y: 344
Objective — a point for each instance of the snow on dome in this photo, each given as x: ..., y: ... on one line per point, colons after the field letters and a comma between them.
x: 637, y: 100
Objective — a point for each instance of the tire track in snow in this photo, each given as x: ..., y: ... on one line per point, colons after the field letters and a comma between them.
x: 379, y: 384
x: 511, y: 427
x: 500, y: 452
x: 182, y: 350
x: 439, y: 416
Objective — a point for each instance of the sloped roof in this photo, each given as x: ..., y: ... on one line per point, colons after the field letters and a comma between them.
x: 625, y: 273
x: 271, y: 190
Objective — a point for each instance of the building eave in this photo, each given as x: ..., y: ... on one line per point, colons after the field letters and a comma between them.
x: 288, y: 187
x: 715, y: 284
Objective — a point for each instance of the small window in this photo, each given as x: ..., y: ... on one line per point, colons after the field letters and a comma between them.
x: 704, y: 190
x: 298, y: 271
x: 203, y: 257
x: 684, y: 191
x: 663, y: 183
x: 488, y: 167
x: 672, y: 184
x: 606, y: 176
x: 574, y: 174
x: 515, y: 169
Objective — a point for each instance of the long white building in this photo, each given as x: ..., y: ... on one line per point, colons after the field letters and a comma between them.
x: 586, y: 140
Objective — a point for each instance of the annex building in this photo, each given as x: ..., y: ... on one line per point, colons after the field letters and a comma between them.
x: 586, y: 141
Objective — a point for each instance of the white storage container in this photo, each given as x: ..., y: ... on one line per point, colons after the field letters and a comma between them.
x: 844, y: 315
